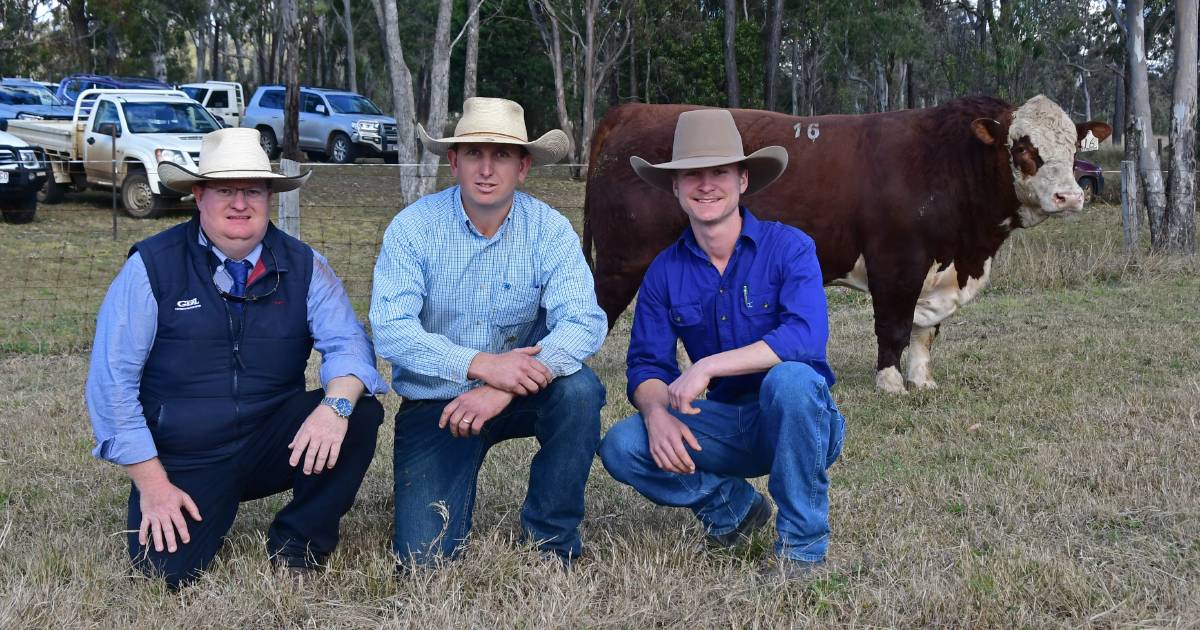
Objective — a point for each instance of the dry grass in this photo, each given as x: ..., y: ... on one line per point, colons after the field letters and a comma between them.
x: 1051, y: 481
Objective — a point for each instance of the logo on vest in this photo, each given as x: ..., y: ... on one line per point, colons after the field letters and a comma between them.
x: 187, y: 305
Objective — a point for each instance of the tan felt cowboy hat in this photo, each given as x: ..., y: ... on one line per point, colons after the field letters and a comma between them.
x: 498, y: 121
x: 231, y: 153
x: 708, y: 137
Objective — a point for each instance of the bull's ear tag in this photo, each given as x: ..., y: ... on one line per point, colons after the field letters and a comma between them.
x: 1089, y: 142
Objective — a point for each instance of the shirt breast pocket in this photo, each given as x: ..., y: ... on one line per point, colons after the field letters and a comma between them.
x: 515, y: 305
x: 761, y: 311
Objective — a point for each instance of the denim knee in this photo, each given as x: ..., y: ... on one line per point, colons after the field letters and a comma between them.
x: 624, y: 444
x: 577, y: 398
x: 791, y: 381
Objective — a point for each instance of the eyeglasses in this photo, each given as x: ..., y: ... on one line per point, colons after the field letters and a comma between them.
x: 223, y: 282
x: 227, y: 193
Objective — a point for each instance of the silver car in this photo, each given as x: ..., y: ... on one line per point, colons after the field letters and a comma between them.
x: 335, y: 125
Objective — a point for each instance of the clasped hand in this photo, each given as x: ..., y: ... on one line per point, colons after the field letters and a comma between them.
x: 515, y: 371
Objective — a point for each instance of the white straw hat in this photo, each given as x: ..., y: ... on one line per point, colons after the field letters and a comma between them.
x: 708, y: 137
x: 231, y: 153
x: 498, y: 121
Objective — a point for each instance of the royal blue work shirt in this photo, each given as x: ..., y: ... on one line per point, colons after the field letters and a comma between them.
x: 772, y: 290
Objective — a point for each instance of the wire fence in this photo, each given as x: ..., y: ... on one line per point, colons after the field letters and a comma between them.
x: 55, y: 271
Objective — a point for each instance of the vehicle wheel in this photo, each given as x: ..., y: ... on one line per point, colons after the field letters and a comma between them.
x: 51, y: 192
x: 1089, y: 189
x: 341, y: 150
x: 270, y: 144
x: 138, y: 198
x: 20, y: 210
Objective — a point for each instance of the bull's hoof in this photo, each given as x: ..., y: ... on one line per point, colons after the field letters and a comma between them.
x: 923, y: 382
x: 888, y: 379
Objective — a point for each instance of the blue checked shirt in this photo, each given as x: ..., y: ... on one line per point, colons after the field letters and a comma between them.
x: 443, y: 292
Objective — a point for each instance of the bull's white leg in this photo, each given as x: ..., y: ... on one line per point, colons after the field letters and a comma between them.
x: 918, y: 373
x: 888, y: 380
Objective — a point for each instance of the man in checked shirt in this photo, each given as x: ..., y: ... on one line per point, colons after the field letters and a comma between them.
x: 485, y: 307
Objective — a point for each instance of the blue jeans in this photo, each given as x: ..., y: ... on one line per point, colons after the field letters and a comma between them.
x: 436, y: 473
x: 793, y: 432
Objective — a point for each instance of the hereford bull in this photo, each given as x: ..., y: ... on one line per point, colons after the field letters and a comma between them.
x: 910, y: 206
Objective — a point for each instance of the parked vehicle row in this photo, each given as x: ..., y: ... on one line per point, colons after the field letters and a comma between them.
x: 115, y: 139
x: 22, y: 173
x: 335, y: 125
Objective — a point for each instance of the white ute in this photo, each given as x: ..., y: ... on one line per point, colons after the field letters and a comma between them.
x: 116, y: 140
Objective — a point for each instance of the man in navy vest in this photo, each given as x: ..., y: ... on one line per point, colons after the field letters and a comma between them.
x: 197, y: 387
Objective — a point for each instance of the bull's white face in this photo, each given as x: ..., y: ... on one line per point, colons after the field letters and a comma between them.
x: 1041, y: 145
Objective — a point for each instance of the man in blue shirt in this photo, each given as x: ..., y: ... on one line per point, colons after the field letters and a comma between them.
x: 746, y: 298
x: 484, y: 305
x: 197, y: 386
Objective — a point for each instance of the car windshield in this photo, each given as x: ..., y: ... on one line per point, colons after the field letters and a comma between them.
x: 14, y: 96
x: 196, y: 94
x: 38, y: 93
x: 169, y: 118
x: 352, y: 104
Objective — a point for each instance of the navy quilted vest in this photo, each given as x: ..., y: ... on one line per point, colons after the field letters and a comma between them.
x: 202, y: 399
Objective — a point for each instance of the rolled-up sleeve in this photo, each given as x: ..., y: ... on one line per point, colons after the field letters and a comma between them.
x: 397, y: 297
x: 803, y: 330
x: 345, y: 348
x: 125, y: 330
x: 576, y: 323
x: 652, y: 341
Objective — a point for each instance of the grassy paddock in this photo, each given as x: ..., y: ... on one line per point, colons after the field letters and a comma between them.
x: 1051, y: 481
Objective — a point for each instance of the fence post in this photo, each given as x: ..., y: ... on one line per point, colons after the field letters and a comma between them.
x: 1129, y: 206
x: 289, y: 202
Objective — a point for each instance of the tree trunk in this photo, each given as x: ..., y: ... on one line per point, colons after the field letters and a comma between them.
x: 216, y: 48
x: 1181, y: 213
x: 633, y: 80
x: 291, y: 102
x: 1148, y: 163
x: 1119, y: 117
x: 547, y: 21
x: 471, y: 64
x: 731, y: 76
x: 351, y: 50
x: 590, y: 80
x: 795, y: 78
x: 773, y: 31
x: 402, y: 102
x: 439, y: 94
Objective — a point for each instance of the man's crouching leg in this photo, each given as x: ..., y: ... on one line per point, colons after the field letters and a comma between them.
x: 305, y: 531
x: 803, y: 425
x: 567, y: 426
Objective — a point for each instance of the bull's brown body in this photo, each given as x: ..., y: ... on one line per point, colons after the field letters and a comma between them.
x: 900, y: 189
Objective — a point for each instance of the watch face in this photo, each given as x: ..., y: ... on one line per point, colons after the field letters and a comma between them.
x: 340, y: 405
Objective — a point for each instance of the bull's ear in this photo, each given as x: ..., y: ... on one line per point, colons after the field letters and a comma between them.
x: 1101, y: 130
x: 986, y: 129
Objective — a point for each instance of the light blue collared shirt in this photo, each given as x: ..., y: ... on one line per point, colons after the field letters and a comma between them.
x: 443, y: 292
x: 128, y: 321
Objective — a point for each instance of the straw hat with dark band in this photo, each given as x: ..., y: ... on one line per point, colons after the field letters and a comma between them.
x: 232, y: 153
x: 708, y: 137
x: 498, y: 121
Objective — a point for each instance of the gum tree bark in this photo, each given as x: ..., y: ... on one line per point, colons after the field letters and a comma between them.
x: 1149, y: 168
x: 471, y: 64
x: 291, y: 72
x: 731, y: 76
x: 1181, y: 213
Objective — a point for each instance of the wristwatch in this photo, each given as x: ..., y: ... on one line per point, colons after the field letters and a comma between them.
x: 340, y: 406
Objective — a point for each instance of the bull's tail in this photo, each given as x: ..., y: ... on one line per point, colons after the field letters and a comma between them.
x: 596, y: 147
